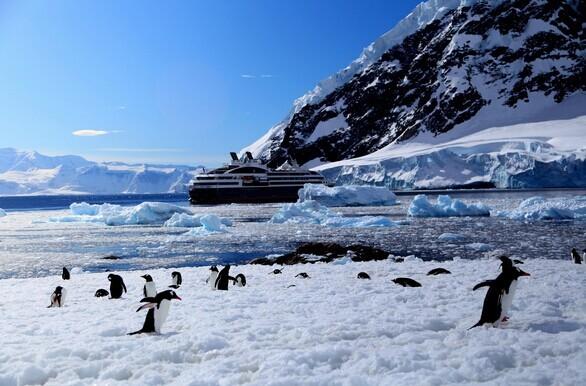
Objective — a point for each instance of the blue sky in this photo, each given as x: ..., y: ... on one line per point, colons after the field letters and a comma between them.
x: 173, y: 81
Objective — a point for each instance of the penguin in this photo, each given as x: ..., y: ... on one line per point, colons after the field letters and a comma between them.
x: 363, y: 275
x: 406, y: 282
x: 150, y: 289
x: 117, y: 286
x: 584, y: 255
x: 499, y: 295
x: 65, y: 275
x: 240, y: 280
x: 213, y: 276
x: 303, y: 275
x: 276, y: 271
x: 58, y: 297
x: 399, y: 260
x: 177, y: 279
x: 438, y: 271
x: 101, y: 293
x: 158, y: 310
x: 223, y: 278
x: 576, y: 256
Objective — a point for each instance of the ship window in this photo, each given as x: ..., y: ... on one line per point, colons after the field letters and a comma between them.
x: 248, y: 170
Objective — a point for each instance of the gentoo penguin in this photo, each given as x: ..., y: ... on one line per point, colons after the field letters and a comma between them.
x: 438, y: 271
x: 116, y: 286
x: 584, y: 255
x: 276, y: 271
x: 65, y: 275
x: 58, y: 297
x: 500, y: 293
x: 406, y: 282
x: 576, y: 256
x: 399, y: 259
x: 223, y: 278
x: 101, y: 293
x: 158, y: 310
x: 213, y: 276
x: 149, y: 290
x: 303, y: 275
x: 363, y: 275
x: 240, y: 280
x: 176, y: 279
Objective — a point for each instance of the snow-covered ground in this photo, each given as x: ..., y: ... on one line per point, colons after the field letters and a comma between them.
x: 331, y: 329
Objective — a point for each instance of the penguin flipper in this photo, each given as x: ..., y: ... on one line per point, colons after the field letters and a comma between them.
x: 483, y: 284
x: 146, y: 306
x: 174, y: 286
x: 148, y: 300
x: 480, y: 323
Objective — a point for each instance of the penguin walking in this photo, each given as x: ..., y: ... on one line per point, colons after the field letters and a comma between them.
x: 576, y: 256
x: 117, y: 286
x: 499, y: 296
x: 150, y: 289
x: 65, y: 275
x: 158, y: 311
x: 176, y: 279
x: 211, y: 280
x: 58, y: 297
x: 240, y: 280
x: 223, y: 278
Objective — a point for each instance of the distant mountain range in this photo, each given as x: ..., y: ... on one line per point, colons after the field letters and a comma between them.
x: 451, y: 69
x: 28, y: 172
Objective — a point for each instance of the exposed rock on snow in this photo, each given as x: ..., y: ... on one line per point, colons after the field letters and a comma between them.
x: 311, y: 212
x: 445, y: 207
x: 351, y: 195
x: 539, y: 208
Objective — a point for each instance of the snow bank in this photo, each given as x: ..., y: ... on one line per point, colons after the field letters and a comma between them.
x: 197, y: 220
x: 312, y: 212
x: 331, y: 329
x: 445, y: 207
x: 2, y: 212
x: 143, y: 214
x: 540, y: 208
x: 350, y: 195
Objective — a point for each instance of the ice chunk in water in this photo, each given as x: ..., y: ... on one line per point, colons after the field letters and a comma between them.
x: 445, y: 207
x: 350, y: 195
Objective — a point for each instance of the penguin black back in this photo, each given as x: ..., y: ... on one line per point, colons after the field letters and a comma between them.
x: 363, y: 275
x: 101, y: 293
x: 303, y: 275
x: 406, y: 282
x: 438, y: 271
x: 276, y: 271
x: 117, y: 286
x: 65, y: 275
x: 177, y: 279
x: 576, y: 256
x: 223, y: 278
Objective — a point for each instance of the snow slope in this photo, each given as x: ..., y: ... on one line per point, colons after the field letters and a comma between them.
x: 331, y: 329
x: 33, y: 173
x: 541, y: 154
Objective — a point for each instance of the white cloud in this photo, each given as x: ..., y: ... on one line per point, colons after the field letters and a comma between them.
x: 247, y: 76
x: 89, y: 133
x: 251, y: 76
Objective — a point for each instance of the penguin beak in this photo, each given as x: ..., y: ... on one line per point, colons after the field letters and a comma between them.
x: 177, y: 297
x: 523, y: 273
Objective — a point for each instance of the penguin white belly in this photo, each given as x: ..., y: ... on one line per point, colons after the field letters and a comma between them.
x: 212, y: 280
x: 63, y: 296
x: 161, y: 314
x: 507, y: 299
x: 150, y: 289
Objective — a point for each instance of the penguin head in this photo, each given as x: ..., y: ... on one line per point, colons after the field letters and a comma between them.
x: 506, y: 262
x: 213, y: 268
x: 147, y: 277
x: 175, y: 274
x: 58, y: 289
x: 169, y: 295
x: 519, y: 272
x: 110, y: 277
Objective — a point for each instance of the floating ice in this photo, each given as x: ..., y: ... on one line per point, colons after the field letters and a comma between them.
x: 539, y: 208
x: 197, y: 220
x: 312, y: 212
x: 451, y: 237
x: 445, y: 207
x: 350, y: 195
x: 2, y: 212
x: 479, y: 247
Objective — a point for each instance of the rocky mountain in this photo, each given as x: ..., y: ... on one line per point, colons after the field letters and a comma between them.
x: 451, y: 68
x: 28, y: 172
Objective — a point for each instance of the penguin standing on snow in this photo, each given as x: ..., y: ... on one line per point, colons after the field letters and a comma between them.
x: 499, y: 296
x: 576, y: 256
x: 240, y: 280
x: 58, y: 297
x: 223, y: 278
x: 158, y: 307
x: 149, y: 290
x: 176, y: 279
x: 65, y: 275
x: 213, y: 276
x: 117, y: 286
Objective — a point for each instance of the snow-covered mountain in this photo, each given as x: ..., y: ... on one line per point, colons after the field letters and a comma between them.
x: 28, y: 172
x: 450, y: 69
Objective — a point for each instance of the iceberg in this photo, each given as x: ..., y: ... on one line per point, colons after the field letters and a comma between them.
x: 540, y: 208
x: 350, y: 195
x: 451, y: 237
x: 445, y: 207
x: 197, y: 220
x: 312, y: 212
x: 2, y: 212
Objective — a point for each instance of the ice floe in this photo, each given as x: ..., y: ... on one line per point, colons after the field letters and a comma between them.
x: 451, y: 237
x: 349, y: 195
x: 208, y: 221
x: 312, y: 212
x: 540, y: 208
x: 445, y: 207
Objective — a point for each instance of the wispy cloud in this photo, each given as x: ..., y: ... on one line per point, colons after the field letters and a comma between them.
x: 120, y: 107
x: 248, y: 76
x: 267, y: 76
x: 90, y: 133
x: 142, y: 150
x: 252, y: 76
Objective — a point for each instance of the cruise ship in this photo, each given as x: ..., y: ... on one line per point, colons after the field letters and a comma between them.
x: 248, y: 180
